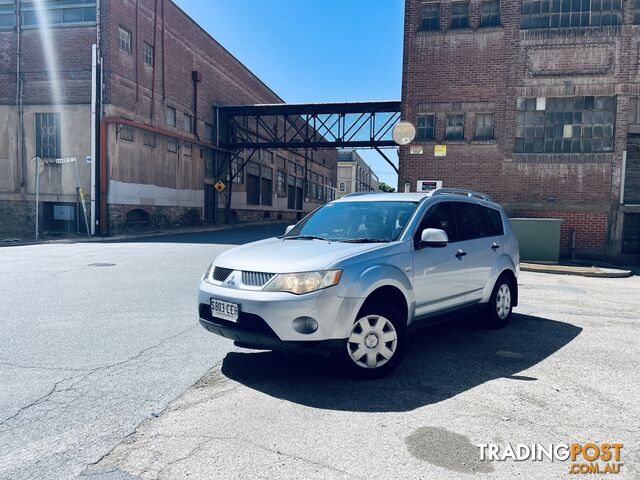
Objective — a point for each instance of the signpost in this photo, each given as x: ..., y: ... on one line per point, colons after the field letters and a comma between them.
x: 219, y: 186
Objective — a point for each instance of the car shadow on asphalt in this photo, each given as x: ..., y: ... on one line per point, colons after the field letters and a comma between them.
x: 442, y: 361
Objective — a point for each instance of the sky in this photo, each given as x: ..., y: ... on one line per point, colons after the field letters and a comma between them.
x: 314, y: 50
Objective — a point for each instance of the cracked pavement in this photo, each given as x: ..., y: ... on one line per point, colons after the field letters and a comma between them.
x: 109, y: 377
x: 89, y: 353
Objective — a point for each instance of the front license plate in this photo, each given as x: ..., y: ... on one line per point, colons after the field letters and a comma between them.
x: 225, y: 310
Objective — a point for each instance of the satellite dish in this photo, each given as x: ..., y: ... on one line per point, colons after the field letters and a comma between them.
x: 404, y: 133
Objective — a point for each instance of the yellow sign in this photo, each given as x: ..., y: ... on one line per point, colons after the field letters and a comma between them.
x: 219, y: 186
x: 440, y: 150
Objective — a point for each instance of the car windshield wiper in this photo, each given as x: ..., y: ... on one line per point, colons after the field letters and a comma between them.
x: 365, y: 240
x: 305, y: 237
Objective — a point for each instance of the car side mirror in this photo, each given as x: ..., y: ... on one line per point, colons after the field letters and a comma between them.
x: 289, y: 228
x: 434, y: 237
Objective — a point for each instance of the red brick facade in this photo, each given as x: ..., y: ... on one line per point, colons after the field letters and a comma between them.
x: 487, y: 70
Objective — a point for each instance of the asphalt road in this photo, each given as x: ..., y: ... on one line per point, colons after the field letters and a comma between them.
x: 108, y: 376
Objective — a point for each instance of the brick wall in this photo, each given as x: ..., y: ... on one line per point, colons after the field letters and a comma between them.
x: 485, y: 70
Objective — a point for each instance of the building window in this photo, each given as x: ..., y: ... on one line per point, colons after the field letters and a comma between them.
x: 485, y: 126
x: 187, y: 149
x: 76, y: 12
x: 430, y: 16
x: 171, y: 116
x: 124, y: 40
x: 570, y: 13
x: 267, y: 156
x: 148, y: 54
x: 342, y: 187
x: 126, y: 133
x: 208, y: 132
x: 7, y: 14
x: 281, y: 183
x: 634, y: 111
x: 636, y: 12
x: 236, y: 169
x: 259, y: 184
x: 565, y: 125
x: 455, y: 127
x: 426, y: 127
x: 149, y: 139
x: 490, y: 13
x: 281, y: 163
x: 172, y: 145
x: 460, y: 15
x: 187, y: 123
x: 48, y: 135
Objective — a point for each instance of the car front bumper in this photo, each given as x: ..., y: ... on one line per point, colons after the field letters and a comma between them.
x: 266, y: 318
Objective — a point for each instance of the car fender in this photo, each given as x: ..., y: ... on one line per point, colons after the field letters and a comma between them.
x: 502, y: 263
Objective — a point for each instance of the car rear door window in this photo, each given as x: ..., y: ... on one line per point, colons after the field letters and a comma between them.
x: 473, y: 221
x: 439, y: 216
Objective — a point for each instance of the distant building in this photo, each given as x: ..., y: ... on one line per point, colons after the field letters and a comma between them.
x: 157, y: 160
x: 535, y: 103
x: 354, y: 175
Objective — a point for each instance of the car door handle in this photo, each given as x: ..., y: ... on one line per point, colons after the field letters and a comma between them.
x: 495, y: 246
x: 460, y: 253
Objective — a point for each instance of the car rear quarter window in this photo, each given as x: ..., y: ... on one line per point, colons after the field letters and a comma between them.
x: 496, y: 221
x: 473, y: 221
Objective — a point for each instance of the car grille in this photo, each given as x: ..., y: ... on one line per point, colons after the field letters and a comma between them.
x: 221, y: 274
x: 256, y: 279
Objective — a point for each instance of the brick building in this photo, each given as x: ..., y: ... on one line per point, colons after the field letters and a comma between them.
x: 156, y: 155
x: 354, y: 175
x: 537, y: 104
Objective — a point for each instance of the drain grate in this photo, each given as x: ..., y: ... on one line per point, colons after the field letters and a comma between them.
x: 101, y: 264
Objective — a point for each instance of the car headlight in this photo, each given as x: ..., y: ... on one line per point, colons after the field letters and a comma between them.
x: 207, y: 275
x: 306, y: 282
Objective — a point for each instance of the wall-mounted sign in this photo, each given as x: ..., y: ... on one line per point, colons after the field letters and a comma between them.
x: 440, y: 151
x: 219, y: 185
x: 428, y: 185
x: 416, y: 150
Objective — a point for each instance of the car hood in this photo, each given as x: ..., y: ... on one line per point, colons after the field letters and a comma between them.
x: 276, y: 255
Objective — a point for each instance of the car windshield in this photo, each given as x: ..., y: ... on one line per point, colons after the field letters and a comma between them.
x: 355, y: 222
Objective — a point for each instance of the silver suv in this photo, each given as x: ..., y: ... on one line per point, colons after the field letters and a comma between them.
x: 354, y: 277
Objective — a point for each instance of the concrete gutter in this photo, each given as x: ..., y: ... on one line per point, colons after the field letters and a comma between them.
x: 136, y: 236
x: 583, y: 271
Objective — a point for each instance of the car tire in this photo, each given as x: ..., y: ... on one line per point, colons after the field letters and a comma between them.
x: 500, y: 306
x: 377, y: 343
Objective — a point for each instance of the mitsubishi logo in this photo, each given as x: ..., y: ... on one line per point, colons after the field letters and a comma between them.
x: 231, y: 280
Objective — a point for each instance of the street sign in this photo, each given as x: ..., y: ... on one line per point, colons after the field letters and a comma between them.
x: 219, y: 186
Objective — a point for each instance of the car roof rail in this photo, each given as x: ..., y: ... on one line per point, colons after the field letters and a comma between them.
x: 461, y: 191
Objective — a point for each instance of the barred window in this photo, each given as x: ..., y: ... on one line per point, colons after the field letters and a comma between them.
x: 124, y: 40
x: 460, y: 15
x: 149, y: 139
x: 565, y: 125
x: 171, y: 116
x: 7, y: 14
x: 187, y: 123
x: 426, y: 127
x: 490, y: 13
x: 455, y: 127
x: 48, y: 135
x: 430, y: 16
x: 236, y: 168
x: 148, y: 54
x: 485, y: 126
x: 59, y: 12
x: 570, y: 13
x: 126, y: 133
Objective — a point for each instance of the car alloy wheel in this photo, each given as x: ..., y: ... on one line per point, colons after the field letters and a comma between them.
x: 503, y: 301
x: 373, y: 341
